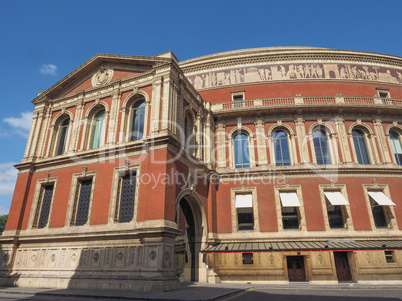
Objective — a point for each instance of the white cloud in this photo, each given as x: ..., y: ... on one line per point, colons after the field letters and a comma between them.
x: 21, y: 125
x: 8, y: 177
x: 3, y: 210
x: 49, y: 69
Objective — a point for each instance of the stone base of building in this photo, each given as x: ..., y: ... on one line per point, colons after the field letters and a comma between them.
x: 99, y: 282
x: 129, y: 263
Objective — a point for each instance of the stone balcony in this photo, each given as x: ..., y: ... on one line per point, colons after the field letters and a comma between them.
x: 310, y: 103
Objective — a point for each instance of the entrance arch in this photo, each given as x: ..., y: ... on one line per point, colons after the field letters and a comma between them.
x: 189, y: 206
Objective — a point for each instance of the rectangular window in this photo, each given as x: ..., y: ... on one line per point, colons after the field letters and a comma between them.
x: 389, y: 256
x: 238, y: 98
x: 245, y: 216
x: 290, y: 218
x: 290, y: 210
x: 82, y: 202
x: 43, y: 208
x: 247, y: 258
x: 383, y: 93
x: 125, y: 206
x: 335, y: 217
x: 335, y: 202
x: 379, y: 204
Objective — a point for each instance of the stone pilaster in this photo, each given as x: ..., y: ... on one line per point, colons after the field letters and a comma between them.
x: 221, y: 145
x: 261, y: 143
x: 381, y: 140
x: 114, y: 115
x: 302, y: 140
x: 343, y: 140
x: 77, y: 124
x: 157, y: 91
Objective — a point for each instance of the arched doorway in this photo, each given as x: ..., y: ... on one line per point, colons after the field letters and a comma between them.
x: 190, y: 217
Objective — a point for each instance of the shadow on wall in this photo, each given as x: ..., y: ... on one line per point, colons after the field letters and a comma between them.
x: 7, y: 278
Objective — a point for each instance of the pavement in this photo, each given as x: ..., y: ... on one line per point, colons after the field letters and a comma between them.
x: 187, y: 292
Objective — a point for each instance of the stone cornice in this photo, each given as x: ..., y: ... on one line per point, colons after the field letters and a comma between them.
x: 310, y: 170
x: 284, y: 54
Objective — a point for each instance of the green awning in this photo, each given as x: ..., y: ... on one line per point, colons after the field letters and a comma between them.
x: 333, y: 245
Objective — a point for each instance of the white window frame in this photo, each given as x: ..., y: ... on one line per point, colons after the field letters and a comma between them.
x: 388, y: 210
x: 244, y: 190
x: 300, y: 211
x: 346, y: 212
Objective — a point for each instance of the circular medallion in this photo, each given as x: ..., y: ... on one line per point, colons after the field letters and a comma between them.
x: 74, y: 257
x: 102, y: 77
x: 120, y: 256
x: 152, y: 255
x: 53, y: 257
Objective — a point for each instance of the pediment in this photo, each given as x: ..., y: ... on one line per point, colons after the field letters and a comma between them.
x: 101, y: 70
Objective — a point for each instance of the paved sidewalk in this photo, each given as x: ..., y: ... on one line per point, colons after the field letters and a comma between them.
x: 188, y: 291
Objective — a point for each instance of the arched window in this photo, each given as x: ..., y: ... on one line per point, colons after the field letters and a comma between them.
x: 137, y: 121
x: 359, y: 141
x: 62, y: 137
x: 98, y: 130
x: 396, y: 146
x: 281, y: 148
x: 321, y: 147
x: 242, y: 159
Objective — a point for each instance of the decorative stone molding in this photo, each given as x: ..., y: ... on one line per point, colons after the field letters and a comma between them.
x: 102, y: 77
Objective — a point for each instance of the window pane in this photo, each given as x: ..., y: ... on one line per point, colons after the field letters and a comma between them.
x: 335, y: 217
x: 137, y: 121
x: 247, y: 258
x: 380, y: 220
x: 281, y: 148
x: 396, y: 146
x: 127, y: 196
x: 83, y: 203
x: 321, y: 147
x: 46, y: 203
x: 290, y: 218
x: 359, y: 141
x: 61, y: 145
x: 241, y: 151
x: 98, y: 129
x: 245, y: 218
x: 389, y: 256
x: 246, y: 160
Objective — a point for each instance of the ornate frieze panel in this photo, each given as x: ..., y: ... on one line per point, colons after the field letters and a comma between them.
x: 295, y: 71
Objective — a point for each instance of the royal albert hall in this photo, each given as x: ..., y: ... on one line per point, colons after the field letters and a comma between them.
x: 268, y: 165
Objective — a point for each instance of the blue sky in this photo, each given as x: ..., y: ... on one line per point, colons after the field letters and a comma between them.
x: 43, y: 41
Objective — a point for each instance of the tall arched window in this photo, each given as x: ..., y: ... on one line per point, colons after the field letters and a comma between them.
x: 242, y: 159
x: 137, y: 121
x: 359, y: 141
x: 321, y: 147
x: 281, y: 148
x: 62, y: 137
x: 98, y: 130
x: 396, y: 146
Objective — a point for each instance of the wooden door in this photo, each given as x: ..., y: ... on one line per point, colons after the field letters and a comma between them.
x: 296, y: 270
x: 342, y: 266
